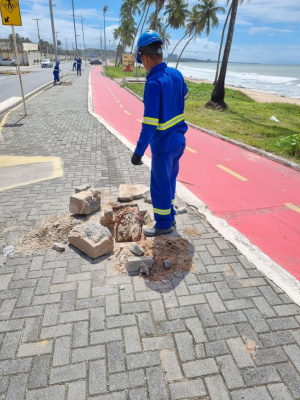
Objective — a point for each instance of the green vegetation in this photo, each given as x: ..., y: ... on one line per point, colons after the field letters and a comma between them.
x: 245, y: 120
x: 117, y: 72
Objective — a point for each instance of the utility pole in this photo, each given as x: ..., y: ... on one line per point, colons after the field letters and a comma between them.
x: 74, y: 26
x: 82, y: 19
x: 53, y: 29
x: 37, y: 22
x: 67, y: 47
x: 56, y: 40
x: 104, y: 11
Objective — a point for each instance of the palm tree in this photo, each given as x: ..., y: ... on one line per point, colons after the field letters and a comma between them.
x: 117, y: 35
x: 166, y: 38
x: 203, y: 16
x: 218, y: 94
x: 223, y: 32
x: 177, y: 11
x: 154, y: 20
x: 159, y: 5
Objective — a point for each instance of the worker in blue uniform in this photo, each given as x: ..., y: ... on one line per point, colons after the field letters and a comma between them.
x: 163, y: 128
x: 56, y: 72
x: 74, y: 64
x: 79, y: 62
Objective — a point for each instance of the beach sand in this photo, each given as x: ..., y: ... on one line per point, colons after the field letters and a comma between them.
x: 260, y: 97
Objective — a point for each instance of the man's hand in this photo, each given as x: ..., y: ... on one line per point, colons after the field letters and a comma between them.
x: 136, y: 159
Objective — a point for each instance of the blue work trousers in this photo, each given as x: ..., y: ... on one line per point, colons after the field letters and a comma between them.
x: 164, y: 171
x: 56, y: 77
x: 78, y: 69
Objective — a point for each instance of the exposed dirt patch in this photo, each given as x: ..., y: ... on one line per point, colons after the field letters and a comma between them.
x: 192, y: 232
x: 51, y: 229
x: 159, y: 249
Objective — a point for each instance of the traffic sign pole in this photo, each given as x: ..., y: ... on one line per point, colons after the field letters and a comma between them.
x: 18, y: 66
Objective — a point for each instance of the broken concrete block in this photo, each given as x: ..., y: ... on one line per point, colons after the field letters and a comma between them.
x: 136, y: 249
x: 134, y: 264
x: 147, y: 197
x: 182, y: 210
x: 82, y: 188
x: 60, y: 247
x: 148, y: 217
x: 85, y: 202
x: 106, y: 215
x: 93, y: 239
x: 131, y: 192
x: 167, y: 263
x: 144, y: 269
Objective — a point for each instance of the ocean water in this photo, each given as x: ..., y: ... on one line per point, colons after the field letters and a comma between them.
x: 282, y: 80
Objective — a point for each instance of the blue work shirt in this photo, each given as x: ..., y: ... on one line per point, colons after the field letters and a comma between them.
x: 56, y: 69
x: 163, y: 125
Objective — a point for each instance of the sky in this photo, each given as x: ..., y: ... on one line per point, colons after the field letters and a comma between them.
x: 266, y: 31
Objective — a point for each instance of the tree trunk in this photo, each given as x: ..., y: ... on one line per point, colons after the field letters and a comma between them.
x: 184, y: 49
x: 145, y: 19
x: 137, y: 29
x: 176, y: 46
x: 117, y: 52
x: 164, y: 28
x: 221, y: 44
x: 218, y: 94
x: 156, y: 15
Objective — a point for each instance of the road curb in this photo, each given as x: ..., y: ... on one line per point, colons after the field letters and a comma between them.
x: 269, y: 268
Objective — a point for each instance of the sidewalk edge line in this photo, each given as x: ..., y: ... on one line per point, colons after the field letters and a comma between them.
x: 273, y: 271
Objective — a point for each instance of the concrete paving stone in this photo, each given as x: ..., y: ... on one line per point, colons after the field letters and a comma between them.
x: 59, y: 276
x: 138, y: 394
x: 120, y: 321
x: 77, y: 391
x: 240, y: 304
x: 109, y: 335
x: 217, y: 348
x: 16, y: 388
x: 191, y: 300
x: 202, y: 288
x: 9, y: 294
x: 126, y: 380
x: 112, y: 396
x: 12, y: 367
x: 216, y: 388
x: 215, y: 302
x: 127, y: 294
x: 56, y: 331
x: 112, y: 305
x: 194, y: 369
x: 97, y: 319
x: 209, y: 278
x: 10, y: 345
x: 206, y: 316
x: 89, y: 303
x: 224, y: 291
x: 115, y: 354
x: 62, y: 351
x: 68, y: 373
x: 170, y: 299
x: 240, y: 353
x: 260, y: 376
x: 32, y: 329
x: 279, y: 392
x: 263, y: 306
x: 187, y: 389
x: 3, y: 384
x: 170, y: 365
x: 170, y: 327
x: 135, y: 307
x: 36, y: 263
x: 5, y: 280
x: 158, y: 343
x: 63, y: 287
x: 25, y: 297
x: 97, y: 377
x: 257, y: 321
x: 270, y: 295
x: 185, y: 346
x: 287, y: 310
x: 132, y: 340
x: 145, y: 324
x: 251, y: 394
x: 181, y: 312
x: 276, y: 338
x: 83, y: 276
x: 248, y: 334
x: 104, y: 291
x: 230, y: 372
x: 156, y: 384
x: 296, y: 336
x: 231, y: 317
x: 88, y: 353
x: 51, y: 315
x: 221, y: 332
x: 283, y: 323
x: 68, y: 302
x: 36, y: 348
x: 26, y: 312
x: 142, y: 360
x: 293, y: 353
x: 53, y: 392
x: 73, y: 316
x: 270, y: 356
x: 21, y: 283
x: 43, y: 286
x: 80, y: 334
x: 39, y: 372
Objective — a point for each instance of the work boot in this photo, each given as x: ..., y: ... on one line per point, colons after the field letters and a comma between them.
x: 174, y: 223
x: 154, y: 231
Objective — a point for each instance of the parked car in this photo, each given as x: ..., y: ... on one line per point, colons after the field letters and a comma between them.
x: 5, y: 61
x: 95, y: 62
x: 46, y: 63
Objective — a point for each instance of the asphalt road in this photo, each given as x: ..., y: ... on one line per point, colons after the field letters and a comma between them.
x: 10, y: 85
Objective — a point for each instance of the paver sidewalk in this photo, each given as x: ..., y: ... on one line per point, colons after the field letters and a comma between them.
x: 69, y: 330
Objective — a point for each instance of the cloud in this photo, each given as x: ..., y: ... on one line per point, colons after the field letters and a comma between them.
x: 267, y: 29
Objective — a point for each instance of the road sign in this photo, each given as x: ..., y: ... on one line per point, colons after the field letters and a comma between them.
x: 10, y: 12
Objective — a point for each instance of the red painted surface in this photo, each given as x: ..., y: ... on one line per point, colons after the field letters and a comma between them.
x: 256, y: 207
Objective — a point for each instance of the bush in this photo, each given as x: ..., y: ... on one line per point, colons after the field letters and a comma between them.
x: 290, y: 145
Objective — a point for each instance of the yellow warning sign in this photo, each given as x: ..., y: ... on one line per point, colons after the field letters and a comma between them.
x: 10, y: 12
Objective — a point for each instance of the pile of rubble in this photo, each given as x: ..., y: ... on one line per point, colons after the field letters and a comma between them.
x: 97, y: 226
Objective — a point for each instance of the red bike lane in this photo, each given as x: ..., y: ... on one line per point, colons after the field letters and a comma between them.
x: 257, y: 196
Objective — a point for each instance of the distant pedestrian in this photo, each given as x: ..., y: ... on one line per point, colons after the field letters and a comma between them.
x: 56, y: 71
x: 79, y: 66
x: 163, y: 128
x: 74, y: 64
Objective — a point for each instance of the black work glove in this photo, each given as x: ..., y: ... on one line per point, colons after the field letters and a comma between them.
x: 136, y: 159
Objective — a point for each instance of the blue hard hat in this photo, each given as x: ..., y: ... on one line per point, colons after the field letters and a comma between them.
x: 57, y: 62
x: 145, y: 39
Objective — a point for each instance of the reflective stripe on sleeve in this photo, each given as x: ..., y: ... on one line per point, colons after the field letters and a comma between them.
x: 150, y: 121
x: 186, y: 96
x: 171, y: 122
